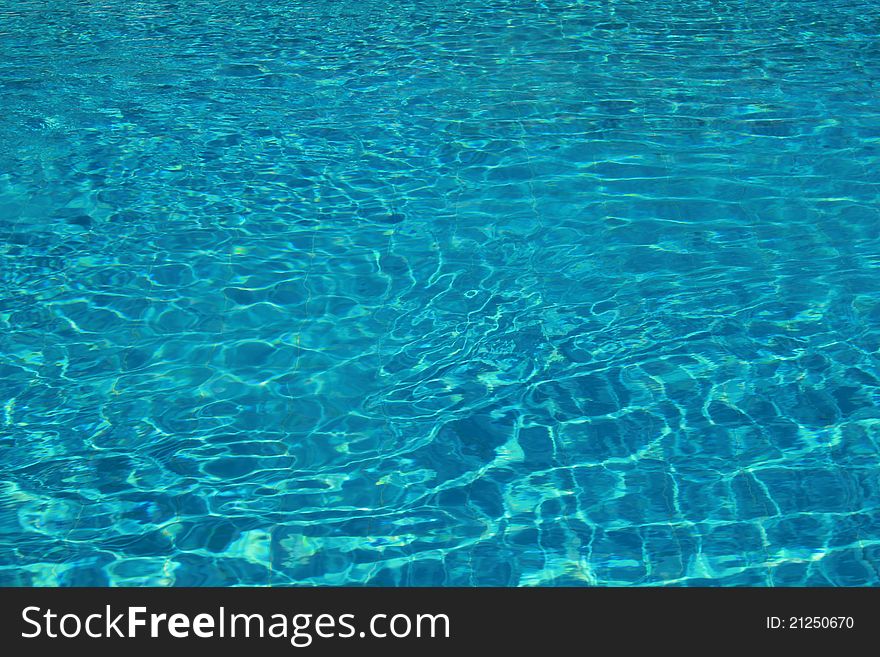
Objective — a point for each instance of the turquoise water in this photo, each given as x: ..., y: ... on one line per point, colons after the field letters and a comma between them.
x: 509, y: 292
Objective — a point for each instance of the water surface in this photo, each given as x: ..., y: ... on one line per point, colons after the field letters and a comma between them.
x: 507, y: 292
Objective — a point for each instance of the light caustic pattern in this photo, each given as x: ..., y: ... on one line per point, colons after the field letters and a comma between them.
x: 456, y: 293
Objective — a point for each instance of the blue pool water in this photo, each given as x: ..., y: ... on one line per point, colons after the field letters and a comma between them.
x: 498, y: 292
